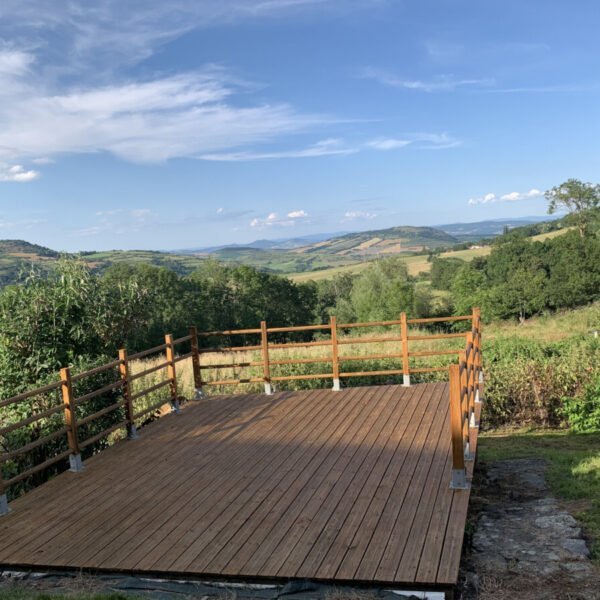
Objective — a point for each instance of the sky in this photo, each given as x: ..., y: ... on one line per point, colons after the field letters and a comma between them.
x: 190, y: 123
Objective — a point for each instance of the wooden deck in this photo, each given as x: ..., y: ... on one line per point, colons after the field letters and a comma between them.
x: 349, y: 486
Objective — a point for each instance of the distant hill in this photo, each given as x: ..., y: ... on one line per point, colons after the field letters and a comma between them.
x: 277, y: 244
x: 300, y: 255
x: 393, y: 240
x: 17, y: 256
x: 482, y: 229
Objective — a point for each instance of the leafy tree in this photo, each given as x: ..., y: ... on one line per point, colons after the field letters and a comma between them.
x: 443, y: 271
x: 580, y: 199
x: 383, y: 291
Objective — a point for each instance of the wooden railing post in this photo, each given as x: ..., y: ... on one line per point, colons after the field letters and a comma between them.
x: 3, y: 497
x: 459, y: 472
x: 264, y: 342
x: 124, y: 372
x: 171, y: 373
x: 75, y: 462
x: 196, y: 362
x: 405, y: 363
x: 335, y: 355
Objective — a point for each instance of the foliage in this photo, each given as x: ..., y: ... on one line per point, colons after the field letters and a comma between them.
x: 526, y: 380
x: 583, y: 412
x: 580, y: 199
x: 443, y: 271
x: 383, y: 291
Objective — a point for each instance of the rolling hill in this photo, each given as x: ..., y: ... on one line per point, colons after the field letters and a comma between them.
x: 302, y: 258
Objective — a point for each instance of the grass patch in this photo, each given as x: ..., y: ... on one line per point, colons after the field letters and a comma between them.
x: 573, y: 469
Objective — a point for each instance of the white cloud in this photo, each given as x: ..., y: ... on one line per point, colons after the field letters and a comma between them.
x: 17, y: 173
x: 442, y: 83
x: 274, y: 220
x: 387, y: 143
x: 354, y: 215
x: 510, y: 197
x: 220, y: 210
x: 298, y: 214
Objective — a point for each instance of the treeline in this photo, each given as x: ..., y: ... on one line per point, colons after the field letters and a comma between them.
x: 521, y: 278
x: 75, y: 316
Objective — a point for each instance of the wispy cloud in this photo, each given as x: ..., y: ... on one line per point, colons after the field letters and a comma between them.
x: 358, y: 215
x: 273, y: 219
x: 510, y: 197
x: 441, y: 83
x: 117, y: 221
x: 339, y: 147
x: 328, y: 147
x: 151, y: 121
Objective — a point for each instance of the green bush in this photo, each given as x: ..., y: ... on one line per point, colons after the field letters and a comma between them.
x: 526, y: 381
x: 583, y: 413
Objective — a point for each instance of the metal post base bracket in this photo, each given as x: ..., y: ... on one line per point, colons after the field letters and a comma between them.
x: 268, y: 389
x: 75, y: 463
x: 336, y: 385
x: 4, y: 510
x: 473, y: 424
x: 459, y: 480
x: 132, y: 433
x: 199, y: 394
x: 406, y: 380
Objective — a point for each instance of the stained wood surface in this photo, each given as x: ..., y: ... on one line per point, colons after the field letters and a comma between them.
x: 349, y: 486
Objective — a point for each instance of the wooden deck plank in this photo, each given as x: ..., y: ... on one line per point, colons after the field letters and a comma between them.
x: 425, y: 448
x: 357, y: 546
x: 129, y: 475
x: 100, y: 474
x: 274, y: 527
x: 252, y: 531
x: 374, y: 563
x: 347, y: 534
x: 253, y: 487
x: 271, y: 556
x: 320, y: 536
x: 205, y: 462
x: 340, y: 486
x: 167, y: 515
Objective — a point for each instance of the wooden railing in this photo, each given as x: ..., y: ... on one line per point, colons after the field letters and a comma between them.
x: 464, y: 384
x: 336, y: 357
x: 66, y: 403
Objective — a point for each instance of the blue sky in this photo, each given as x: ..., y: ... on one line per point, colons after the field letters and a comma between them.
x: 143, y: 124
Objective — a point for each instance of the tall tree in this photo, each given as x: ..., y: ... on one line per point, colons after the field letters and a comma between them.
x: 580, y: 199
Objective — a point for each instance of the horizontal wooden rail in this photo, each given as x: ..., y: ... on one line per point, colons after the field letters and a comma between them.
x: 40, y: 467
x: 228, y: 332
x: 152, y: 388
x: 144, y: 353
x: 25, y: 395
x: 181, y: 340
x: 32, y: 445
x: 297, y: 328
x: 107, y: 388
x: 101, y: 412
x: 37, y: 417
x: 96, y: 370
x: 102, y: 434
x: 145, y: 372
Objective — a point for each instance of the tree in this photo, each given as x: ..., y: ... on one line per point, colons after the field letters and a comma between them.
x: 578, y: 198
